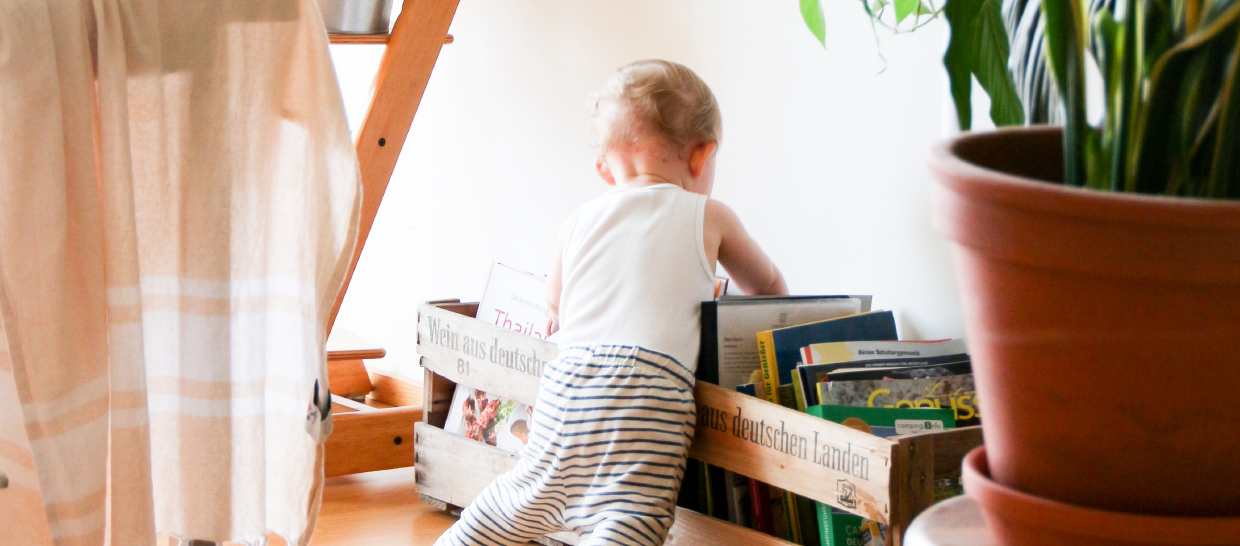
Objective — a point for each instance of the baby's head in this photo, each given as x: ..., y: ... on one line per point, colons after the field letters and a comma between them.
x: 656, y: 107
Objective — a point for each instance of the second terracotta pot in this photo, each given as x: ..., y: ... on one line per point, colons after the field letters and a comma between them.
x: 1104, y: 329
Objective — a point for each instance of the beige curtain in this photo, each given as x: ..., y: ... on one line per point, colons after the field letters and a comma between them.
x: 179, y: 197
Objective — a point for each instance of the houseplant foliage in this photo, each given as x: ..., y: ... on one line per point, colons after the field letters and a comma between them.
x: 1099, y: 265
x: 1171, y: 124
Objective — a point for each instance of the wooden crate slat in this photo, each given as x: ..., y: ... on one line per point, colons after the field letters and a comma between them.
x: 912, y: 475
x: 481, y: 355
x: 363, y: 441
x: 824, y: 461
x: 694, y: 529
x: 950, y: 447
x: 454, y: 470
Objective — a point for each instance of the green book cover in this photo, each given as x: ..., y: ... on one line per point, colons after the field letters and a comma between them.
x: 954, y: 392
x: 839, y: 528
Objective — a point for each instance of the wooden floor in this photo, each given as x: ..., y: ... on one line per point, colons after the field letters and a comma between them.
x: 377, y: 509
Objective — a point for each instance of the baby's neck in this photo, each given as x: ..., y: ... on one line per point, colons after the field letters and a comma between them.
x: 646, y: 180
x: 639, y: 167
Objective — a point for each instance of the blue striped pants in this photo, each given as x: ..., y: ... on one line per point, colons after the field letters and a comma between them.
x: 605, y: 458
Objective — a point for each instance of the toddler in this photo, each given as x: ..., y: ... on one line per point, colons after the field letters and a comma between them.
x: 615, y: 413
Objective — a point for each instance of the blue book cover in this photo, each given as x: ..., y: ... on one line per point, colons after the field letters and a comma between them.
x: 786, y: 343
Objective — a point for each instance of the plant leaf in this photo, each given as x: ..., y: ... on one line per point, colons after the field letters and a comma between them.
x: 1156, y: 145
x: 904, y: 8
x: 1064, y: 32
x: 958, y: 60
x: 1224, y: 172
x: 991, y: 65
x: 811, y: 12
x: 978, y: 46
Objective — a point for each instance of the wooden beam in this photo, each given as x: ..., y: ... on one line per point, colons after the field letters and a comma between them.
x: 403, y: 74
x: 344, y: 345
x: 342, y: 405
x: 363, y: 441
x: 370, y: 38
x: 394, y: 390
x: 348, y: 378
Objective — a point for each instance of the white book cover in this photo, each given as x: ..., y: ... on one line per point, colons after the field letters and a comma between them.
x: 849, y: 351
x: 740, y: 319
x: 515, y: 300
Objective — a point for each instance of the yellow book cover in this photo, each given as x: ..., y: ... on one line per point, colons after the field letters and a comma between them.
x: 766, y: 355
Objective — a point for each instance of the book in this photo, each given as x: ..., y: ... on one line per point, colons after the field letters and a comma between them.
x: 729, y: 348
x: 799, y: 511
x: 515, y: 300
x: 886, y: 422
x: 489, y: 419
x: 944, y: 369
x: 851, y: 351
x: 953, y: 392
x: 767, y: 503
x: 779, y: 350
x: 811, y: 374
x: 837, y: 527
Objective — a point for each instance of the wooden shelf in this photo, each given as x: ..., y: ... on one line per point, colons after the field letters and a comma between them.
x: 370, y: 38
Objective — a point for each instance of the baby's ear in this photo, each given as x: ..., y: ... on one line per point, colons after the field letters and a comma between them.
x: 604, y: 171
x: 698, y: 157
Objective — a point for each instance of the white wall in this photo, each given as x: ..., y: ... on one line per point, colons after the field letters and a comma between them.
x: 822, y: 157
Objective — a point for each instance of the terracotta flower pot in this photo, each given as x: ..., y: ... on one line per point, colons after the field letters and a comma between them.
x: 1104, y: 329
x: 1019, y: 519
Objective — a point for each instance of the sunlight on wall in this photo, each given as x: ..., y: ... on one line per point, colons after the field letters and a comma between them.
x: 823, y: 157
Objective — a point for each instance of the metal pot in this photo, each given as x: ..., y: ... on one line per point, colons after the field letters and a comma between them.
x: 356, y: 16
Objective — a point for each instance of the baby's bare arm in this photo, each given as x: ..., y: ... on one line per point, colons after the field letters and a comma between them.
x: 730, y: 245
x: 555, y: 281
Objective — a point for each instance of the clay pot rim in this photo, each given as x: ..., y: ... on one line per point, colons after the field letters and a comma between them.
x: 1007, y: 503
x: 996, y: 186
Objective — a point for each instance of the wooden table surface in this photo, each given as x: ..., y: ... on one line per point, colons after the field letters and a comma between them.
x: 377, y: 509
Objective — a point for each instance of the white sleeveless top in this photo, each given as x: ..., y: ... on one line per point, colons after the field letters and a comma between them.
x: 635, y: 272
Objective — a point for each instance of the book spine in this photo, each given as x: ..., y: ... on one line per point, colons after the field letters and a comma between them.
x: 760, y: 502
x: 794, y: 520
x: 798, y: 392
x: 770, y: 377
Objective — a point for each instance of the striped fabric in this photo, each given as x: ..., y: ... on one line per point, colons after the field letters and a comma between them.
x: 611, y: 433
x: 178, y: 203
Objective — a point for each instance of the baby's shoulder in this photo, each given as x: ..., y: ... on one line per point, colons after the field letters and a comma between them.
x: 717, y: 214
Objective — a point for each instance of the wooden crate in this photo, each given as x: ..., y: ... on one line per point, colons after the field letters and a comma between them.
x: 887, y: 480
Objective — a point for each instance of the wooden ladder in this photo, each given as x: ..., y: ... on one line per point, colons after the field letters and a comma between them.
x: 419, y: 33
x: 376, y: 435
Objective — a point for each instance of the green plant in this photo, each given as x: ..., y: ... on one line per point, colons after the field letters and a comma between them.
x: 1170, y: 71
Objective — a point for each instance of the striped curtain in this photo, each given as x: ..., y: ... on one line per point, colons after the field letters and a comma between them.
x: 179, y: 199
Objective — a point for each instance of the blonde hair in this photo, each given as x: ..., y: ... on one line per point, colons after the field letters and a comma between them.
x: 655, y: 98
